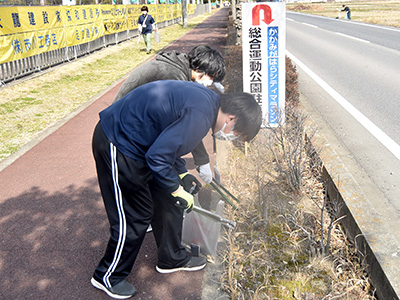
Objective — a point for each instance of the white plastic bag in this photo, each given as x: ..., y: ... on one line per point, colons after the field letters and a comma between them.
x: 157, y: 36
x: 202, y: 231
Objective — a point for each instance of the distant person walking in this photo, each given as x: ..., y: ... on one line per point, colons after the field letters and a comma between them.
x: 347, y: 10
x: 146, y: 22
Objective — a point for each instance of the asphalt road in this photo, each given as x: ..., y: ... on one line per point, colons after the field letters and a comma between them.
x: 349, y: 72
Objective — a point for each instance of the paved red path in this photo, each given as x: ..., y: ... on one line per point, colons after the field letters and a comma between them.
x: 53, y: 226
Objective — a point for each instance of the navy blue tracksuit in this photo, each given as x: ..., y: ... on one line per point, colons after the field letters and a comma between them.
x: 137, y: 146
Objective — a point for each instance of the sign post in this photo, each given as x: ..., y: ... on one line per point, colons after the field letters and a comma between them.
x: 264, y: 42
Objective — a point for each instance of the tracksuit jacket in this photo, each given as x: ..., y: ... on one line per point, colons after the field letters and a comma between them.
x: 159, y: 122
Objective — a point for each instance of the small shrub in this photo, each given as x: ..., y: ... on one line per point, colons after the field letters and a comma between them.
x: 292, y: 84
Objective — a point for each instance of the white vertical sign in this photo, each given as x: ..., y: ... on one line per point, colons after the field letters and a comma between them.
x: 264, y: 42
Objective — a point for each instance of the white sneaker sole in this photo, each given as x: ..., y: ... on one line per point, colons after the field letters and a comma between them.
x: 99, y: 286
x: 167, y: 271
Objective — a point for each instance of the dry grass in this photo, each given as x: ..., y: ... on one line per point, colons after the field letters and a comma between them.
x: 376, y: 12
x: 28, y: 107
x: 286, y: 245
x: 275, y: 252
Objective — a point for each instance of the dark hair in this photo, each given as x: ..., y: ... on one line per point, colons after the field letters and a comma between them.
x: 247, y: 111
x: 144, y: 8
x: 202, y: 58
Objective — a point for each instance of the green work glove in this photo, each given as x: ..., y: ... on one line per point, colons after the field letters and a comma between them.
x: 184, y: 199
x: 190, y: 183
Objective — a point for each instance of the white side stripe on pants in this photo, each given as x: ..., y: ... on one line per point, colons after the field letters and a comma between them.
x: 121, y: 217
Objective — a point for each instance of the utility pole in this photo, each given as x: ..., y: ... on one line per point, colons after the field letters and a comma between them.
x: 233, y: 10
x: 184, y: 13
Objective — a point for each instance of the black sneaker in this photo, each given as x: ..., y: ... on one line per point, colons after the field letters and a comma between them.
x: 122, y: 290
x: 194, y: 264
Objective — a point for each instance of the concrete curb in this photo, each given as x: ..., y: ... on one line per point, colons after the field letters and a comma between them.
x: 370, y: 220
x: 212, y: 287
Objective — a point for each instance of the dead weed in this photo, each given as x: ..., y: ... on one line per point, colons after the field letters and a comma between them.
x: 287, y: 243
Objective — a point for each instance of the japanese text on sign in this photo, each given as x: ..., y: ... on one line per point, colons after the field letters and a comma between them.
x: 263, y: 58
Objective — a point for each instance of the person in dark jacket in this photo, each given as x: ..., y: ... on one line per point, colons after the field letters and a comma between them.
x: 203, y: 65
x: 347, y: 10
x: 145, y: 24
x: 138, y: 146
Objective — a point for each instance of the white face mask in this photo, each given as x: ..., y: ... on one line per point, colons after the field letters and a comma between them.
x: 204, y: 80
x: 144, y: 12
x: 221, y: 135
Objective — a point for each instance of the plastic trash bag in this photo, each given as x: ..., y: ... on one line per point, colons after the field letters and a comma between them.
x: 157, y: 36
x: 203, y: 231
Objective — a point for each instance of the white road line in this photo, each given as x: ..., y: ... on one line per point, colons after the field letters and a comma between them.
x: 352, y: 37
x: 352, y: 22
x: 310, y: 25
x: 382, y: 137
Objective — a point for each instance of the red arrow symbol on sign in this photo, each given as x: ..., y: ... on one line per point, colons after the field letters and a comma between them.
x: 267, y: 14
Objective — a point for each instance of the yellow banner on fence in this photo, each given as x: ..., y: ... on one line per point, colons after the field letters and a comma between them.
x: 115, y: 25
x: 78, y: 15
x: 31, y: 30
x: 133, y: 11
x: 21, y: 45
x: 29, y: 18
x: 108, y: 12
x: 191, y: 8
x: 84, y: 33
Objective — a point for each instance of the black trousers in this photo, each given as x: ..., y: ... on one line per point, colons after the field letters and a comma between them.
x: 130, y: 197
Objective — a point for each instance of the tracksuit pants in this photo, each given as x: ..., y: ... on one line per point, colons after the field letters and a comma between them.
x: 130, y: 196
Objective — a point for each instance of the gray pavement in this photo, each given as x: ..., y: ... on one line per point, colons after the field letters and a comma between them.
x: 53, y: 226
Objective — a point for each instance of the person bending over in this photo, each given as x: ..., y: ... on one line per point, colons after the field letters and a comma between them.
x: 138, y: 146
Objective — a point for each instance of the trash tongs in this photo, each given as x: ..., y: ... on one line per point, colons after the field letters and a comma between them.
x: 220, y: 189
x: 215, y: 183
x: 214, y: 216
